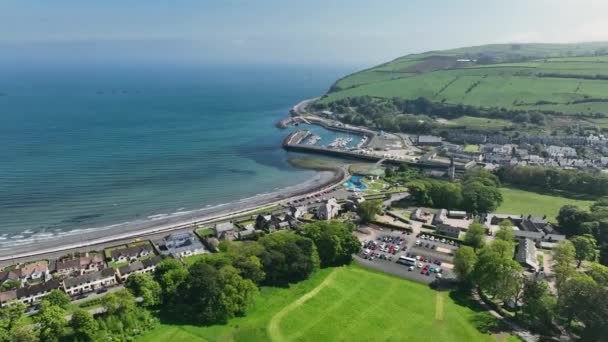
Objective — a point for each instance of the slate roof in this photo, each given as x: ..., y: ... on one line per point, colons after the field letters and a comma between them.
x: 38, y: 288
x: 88, y: 278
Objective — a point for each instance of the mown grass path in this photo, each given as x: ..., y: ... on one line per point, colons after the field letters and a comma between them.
x: 274, y: 332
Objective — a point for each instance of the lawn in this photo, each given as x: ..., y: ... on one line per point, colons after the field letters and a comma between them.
x: 339, y: 304
x: 471, y: 148
x: 519, y: 202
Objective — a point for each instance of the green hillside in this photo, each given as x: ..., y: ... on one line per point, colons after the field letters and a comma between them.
x: 553, y: 78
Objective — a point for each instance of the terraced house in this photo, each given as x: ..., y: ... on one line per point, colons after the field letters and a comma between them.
x: 89, y: 282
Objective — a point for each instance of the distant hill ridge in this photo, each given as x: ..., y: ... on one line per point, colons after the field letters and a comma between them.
x: 568, y: 79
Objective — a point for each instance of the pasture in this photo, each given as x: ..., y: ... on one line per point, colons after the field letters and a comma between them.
x: 346, y: 304
x: 516, y: 201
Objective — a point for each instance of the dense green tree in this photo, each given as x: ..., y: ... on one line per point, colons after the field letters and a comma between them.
x: 599, y: 273
x: 334, y: 240
x: 170, y: 273
x: 10, y: 314
x: 498, y: 274
x: 584, y: 247
x: 142, y: 285
x: 58, y: 298
x: 505, y: 232
x: 288, y: 257
x: 570, y: 218
x: 464, y: 263
x: 84, y: 326
x: 24, y: 333
x: 480, y: 198
x: 475, y: 236
x: 52, y: 323
x: 539, y: 305
x: 368, y: 210
x: 119, y: 302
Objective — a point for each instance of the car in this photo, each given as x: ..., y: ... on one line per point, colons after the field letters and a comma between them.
x: 427, y: 273
x: 419, y: 265
x: 432, y: 238
x: 427, y: 245
x: 438, y: 275
x: 432, y: 269
x: 417, y: 242
x: 81, y: 296
x: 442, y: 240
x: 101, y: 290
x: 438, y: 270
x: 371, y: 258
x: 433, y: 247
x: 411, y: 268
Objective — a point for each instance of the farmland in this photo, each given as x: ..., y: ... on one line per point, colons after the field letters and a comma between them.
x: 517, y: 77
x: 348, y: 303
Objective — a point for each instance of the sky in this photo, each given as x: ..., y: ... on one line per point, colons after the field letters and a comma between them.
x: 354, y: 33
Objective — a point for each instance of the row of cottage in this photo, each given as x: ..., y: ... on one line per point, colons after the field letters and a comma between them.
x: 84, y: 283
x: 568, y: 140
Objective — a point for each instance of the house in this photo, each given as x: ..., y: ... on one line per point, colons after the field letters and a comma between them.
x: 328, y: 209
x: 131, y: 253
x: 247, y: 232
x: 35, y: 293
x: 139, y: 266
x: 429, y: 140
x: 418, y: 215
x: 183, y: 244
x: 89, y: 282
x: 447, y: 230
x: 526, y: 254
x: 267, y: 223
x: 440, y: 217
x: 35, y: 271
x: 7, y: 297
x: 80, y: 265
x: 297, y: 212
x: 224, y: 231
x: 560, y: 151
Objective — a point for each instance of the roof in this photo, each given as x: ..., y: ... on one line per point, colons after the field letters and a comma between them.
x: 38, y: 288
x: 526, y: 253
x: 7, y: 296
x: 224, y: 227
x: 429, y: 139
x: 89, y: 277
x: 131, y: 251
x: 527, y: 234
x: 139, y: 265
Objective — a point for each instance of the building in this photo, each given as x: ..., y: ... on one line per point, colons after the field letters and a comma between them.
x: 224, y: 231
x: 560, y: 151
x: 297, y: 212
x: 328, y: 209
x: 268, y: 223
x: 526, y: 254
x: 80, y: 265
x: 440, y: 217
x: 7, y: 297
x: 183, y: 244
x: 457, y: 214
x: 35, y: 293
x: 429, y: 140
x: 139, y: 266
x: 131, y: 253
x: 447, y: 230
x: 37, y: 271
x: 247, y: 232
x: 89, y: 282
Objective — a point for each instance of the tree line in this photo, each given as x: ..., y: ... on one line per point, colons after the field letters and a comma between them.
x: 478, y: 193
x: 578, y: 182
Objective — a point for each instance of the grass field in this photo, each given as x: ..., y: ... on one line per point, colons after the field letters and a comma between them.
x: 518, y: 202
x: 346, y: 304
x: 552, y: 78
x: 471, y: 148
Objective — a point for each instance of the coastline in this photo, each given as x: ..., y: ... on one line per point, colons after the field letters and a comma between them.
x: 88, y: 238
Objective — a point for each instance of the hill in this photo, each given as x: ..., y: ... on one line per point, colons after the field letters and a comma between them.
x: 554, y: 79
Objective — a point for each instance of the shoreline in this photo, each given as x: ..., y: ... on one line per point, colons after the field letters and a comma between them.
x: 326, y: 178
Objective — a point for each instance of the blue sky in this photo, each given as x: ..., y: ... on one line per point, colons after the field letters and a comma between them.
x: 345, y: 32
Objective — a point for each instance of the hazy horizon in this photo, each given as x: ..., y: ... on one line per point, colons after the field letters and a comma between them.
x: 336, y: 32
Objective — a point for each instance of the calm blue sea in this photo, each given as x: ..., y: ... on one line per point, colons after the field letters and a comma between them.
x: 86, y: 147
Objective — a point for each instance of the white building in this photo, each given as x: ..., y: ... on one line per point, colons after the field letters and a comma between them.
x: 139, y: 266
x: 328, y: 210
x: 89, y: 282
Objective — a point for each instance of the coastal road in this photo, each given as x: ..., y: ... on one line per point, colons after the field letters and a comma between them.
x: 300, y: 108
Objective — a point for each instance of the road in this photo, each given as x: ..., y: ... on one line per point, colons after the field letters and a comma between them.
x: 300, y: 108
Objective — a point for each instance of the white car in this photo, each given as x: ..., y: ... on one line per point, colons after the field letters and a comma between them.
x: 442, y: 240
x: 419, y: 265
x: 411, y: 268
x: 417, y: 242
x: 432, y: 238
x: 438, y: 275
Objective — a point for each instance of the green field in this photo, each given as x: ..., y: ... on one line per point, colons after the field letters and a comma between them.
x: 519, y: 76
x: 346, y: 304
x: 471, y: 148
x: 520, y: 202
x: 476, y: 123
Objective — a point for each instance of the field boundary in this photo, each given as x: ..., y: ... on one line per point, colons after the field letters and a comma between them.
x: 274, y: 331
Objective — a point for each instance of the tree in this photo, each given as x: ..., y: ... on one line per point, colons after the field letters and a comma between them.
x: 170, y: 273
x: 334, y: 240
x: 464, y: 263
x: 51, y: 320
x: 480, y: 198
x: 498, y: 274
x: 585, y: 247
x: 570, y: 218
x: 368, y: 210
x: 12, y: 313
x: 58, y: 298
x: 475, y: 236
x: 142, y: 285
x: 288, y: 257
x: 24, y: 333
x: 118, y: 302
x: 505, y: 232
x: 599, y: 273
x: 564, y: 253
x: 539, y: 305
x: 84, y: 325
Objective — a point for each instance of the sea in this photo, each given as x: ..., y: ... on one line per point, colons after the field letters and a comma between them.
x: 85, y: 147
